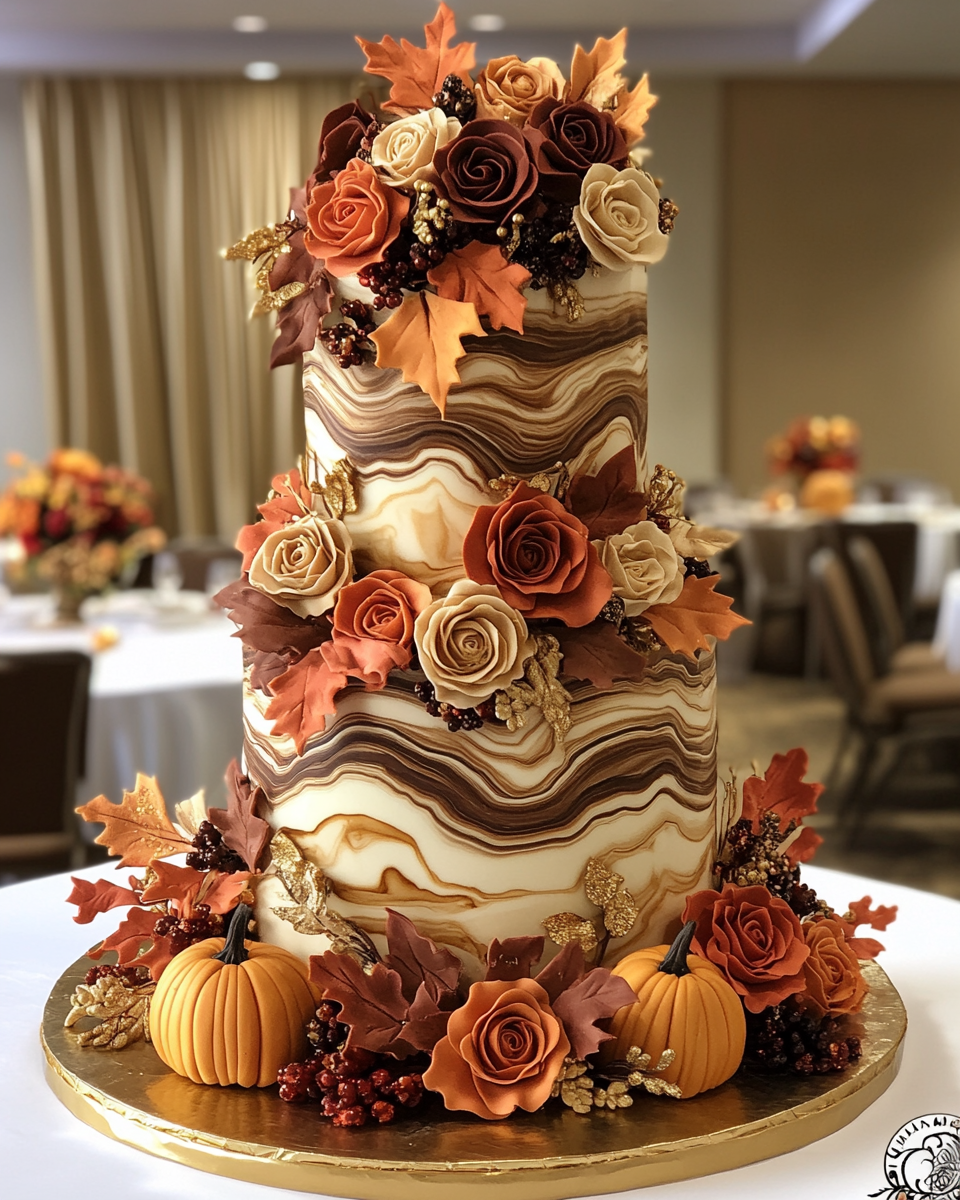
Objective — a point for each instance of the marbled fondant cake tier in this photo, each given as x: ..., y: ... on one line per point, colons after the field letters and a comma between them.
x: 564, y: 391
x: 485, y: 834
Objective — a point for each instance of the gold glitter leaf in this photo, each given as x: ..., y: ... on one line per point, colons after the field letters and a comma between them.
x: 620, y: 914
x: 267, y: 244
x: 122, y: 1011
x: 339, y: 490
x: 569, y: 927
x: 600, y: 883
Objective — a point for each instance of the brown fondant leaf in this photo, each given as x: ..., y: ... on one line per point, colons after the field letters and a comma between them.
x: 421, y: 338
x: 372, y: 1004
x: 426, y: 1023
x: 480, y: 275
x: 420, y: 962
x: 267, y: 626
x: 598, y: 654
x: 513, y: 958
x: 303, y: 698
x: 128, y: 938
x: 595, y: 74
x: 698, y: 612
x: 92, y: 899
x: 138, y: 828
x: 595, y: 997
x: 265, y: 667
x: 632, y: 110
x: 608, y: 502
x: 416, y: 73
x: 243, y: 831
x: 563, y: 970
x: 298, y: 322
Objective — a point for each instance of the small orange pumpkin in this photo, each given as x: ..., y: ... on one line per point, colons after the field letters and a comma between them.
x: 683, y: 1004
x: 230, y: 1011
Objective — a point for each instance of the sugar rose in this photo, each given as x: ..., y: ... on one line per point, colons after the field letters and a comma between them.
x: 566, y: 140
x: 644, y: 566
x: 471, y: 643
x: 304, y: 564
x: 403, y: 151
x: 508, y: 89
x: 503, y: 1050
x: 835, y: 983
x: 352, y: 220
x: 383, y: 606
x: 539, y: 556
x: 755, y: 939
x: 618, y: 217
x: 341, y: 136
x: 486, y: 173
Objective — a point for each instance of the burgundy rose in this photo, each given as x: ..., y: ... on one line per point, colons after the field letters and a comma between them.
x: 486, y: 173
x: 539, y: 556
x: 340, y: 136
x: 756, y: 940
x: 566, y: 140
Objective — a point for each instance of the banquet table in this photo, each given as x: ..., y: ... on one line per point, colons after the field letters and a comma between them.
x: 165, y: 698
x: 46, y: 1152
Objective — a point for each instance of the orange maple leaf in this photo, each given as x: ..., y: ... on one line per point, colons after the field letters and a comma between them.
x: 137, y: 828
x: 632, y: 109
x: 422, y: 339
x: 595, y: 75
x: 304, y: 698
x: 416, y: 73
x: 481, y: 276
x: 683, y: 626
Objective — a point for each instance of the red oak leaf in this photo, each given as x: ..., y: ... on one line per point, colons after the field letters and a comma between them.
x: 513, y: 958
x: 608, y: 502
x: 877, y: 918
x: 417, y: 74
x: 158, y: 957
x: 419, y: 962
x: 177, y: 884
x: 303, y: 698
x: 598, y: 654
x: 697, y: 613
x: 222, y: 892
x: 595, y: 997
x: 373, y: 1004
x: 781, y: 790
x: 94, y: 898
x: 480, y: 275
x: 243, y: 831
x: 127, y: 940
x: 267, y: 626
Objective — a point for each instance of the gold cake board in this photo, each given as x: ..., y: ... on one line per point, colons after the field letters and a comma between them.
x: 250, y: 1134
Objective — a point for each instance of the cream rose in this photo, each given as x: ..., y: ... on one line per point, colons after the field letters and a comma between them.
x: 508, y: 89
x: 618, y: 217
x: 304, y: 565
x: 644, y: 566
x: 403, y: 151
x: 471, y: 643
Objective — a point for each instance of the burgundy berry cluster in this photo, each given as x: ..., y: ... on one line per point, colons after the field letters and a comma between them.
x: 467, y: 719
x: 349, y: 340
x: 353, y: 1086
x: 211, y: 853
x: 184, y: 931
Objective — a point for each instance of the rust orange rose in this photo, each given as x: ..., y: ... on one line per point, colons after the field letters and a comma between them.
x: 503, y: 1050
x: 539, y: 556
x: 353, y: 219
x: 374, y: 620
x: 835, y: 983
x: 755, y: 939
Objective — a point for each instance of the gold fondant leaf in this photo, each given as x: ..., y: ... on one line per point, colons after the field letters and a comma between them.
x: 540, y: 688
x: 570, y: 927
x: 122, y: 1010
x: 301, y: 918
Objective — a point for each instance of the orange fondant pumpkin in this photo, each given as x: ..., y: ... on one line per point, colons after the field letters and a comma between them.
x: 683, y: 1004
x: 230, y: 1011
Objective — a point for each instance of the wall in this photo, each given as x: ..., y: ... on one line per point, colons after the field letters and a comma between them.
x: 842, y: 269
x: 685, y: 135
x: 22, y: 417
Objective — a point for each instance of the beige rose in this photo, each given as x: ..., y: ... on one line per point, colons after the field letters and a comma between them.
x: 471, y: 643
x: 618, y: 217
x: 304, y: 565
x: 507, y: 89
x: 644, y: 566
x: 403, y: 151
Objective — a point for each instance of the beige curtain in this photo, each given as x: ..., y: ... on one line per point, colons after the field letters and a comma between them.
x: 149, y: 355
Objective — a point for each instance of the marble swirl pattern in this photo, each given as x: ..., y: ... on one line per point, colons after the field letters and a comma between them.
x: 485, y: 834
x: 573, y: 392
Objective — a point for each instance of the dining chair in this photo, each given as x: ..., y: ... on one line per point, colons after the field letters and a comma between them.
x: 43, y: 726
x: 202, y: 559
x: 895, y: 543
x: 888, y: 715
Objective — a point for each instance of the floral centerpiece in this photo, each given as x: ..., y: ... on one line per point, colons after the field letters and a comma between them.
x: 822, y: 454
x: 81, y: 525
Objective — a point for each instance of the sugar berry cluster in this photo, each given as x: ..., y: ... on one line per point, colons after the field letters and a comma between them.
x: 128, y: 975
x: 787, y: 1037
x: 349, y: 340
x: 184, y: 931
x: 699, y: 568
x: 456, y: 99
x: 551, y: 249
x: 211, y: 853
x: 750, y: 858
x: 467, y: 719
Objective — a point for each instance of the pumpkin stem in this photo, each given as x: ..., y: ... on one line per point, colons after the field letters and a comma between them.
x: 234, y: 952
x: 675, y: 962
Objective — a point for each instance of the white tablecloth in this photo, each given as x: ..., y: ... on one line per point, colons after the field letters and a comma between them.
x: 47, y: 1153
x: 166, y: 699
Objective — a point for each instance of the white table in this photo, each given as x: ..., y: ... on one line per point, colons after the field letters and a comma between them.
x: 50, y: 1155
x: 166, y: 699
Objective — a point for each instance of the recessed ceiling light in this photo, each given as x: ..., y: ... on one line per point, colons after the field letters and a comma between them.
x: 262, y: 72
x: 250, y: 24
x: 487, y: 23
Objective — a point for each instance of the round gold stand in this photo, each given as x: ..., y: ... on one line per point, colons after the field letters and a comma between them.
x: 252, y: 1135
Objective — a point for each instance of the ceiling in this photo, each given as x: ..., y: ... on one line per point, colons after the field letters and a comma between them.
x: 878, y: 37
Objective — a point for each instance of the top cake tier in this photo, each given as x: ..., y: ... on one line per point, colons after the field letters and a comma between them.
x: 572, y: 392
